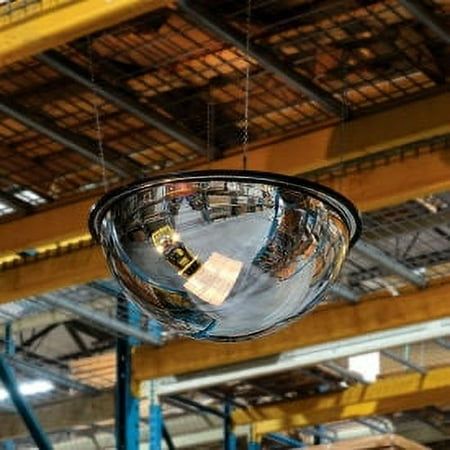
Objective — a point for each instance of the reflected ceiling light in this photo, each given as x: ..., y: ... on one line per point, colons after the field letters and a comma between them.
x: 225, y: 255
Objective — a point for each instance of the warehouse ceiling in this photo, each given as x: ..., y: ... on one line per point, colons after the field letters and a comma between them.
x: 169, y: 93
x: 165, y: 91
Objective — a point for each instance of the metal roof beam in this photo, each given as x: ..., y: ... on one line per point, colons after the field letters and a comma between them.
x: 443, y: 343
x: 16, y: 203
x: 44, y: 318
x: 385, y: 396
x: 390, y: 264
x: 420, y: 223
x: 102, y: 320
x: 342, y: 321
x: 38, y: 335
x: 422, y: 260
x: 34, y: 370
x: 287, y: 441
x: 114, y: 161
x: 428, y: 18
x: 404, y: 362
x: 193, y: 405
x: 343, y: 372
x: 304, y: 357
x: 342, y: 291
x: 37, y: 26
x: 389, y: 395
x: 122, y: 100
x: 403, y: 179
x: 92, y: 409
x: 97, y: 412
x: 78, y: 267
x: 218, y: 26
x: 76, y: 337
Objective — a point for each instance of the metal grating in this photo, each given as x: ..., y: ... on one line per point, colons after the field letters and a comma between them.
x: 368, y: 55
x: 16, y: 10
x: 185, y: 70
x: 364, y: 55
x: 416, y: 233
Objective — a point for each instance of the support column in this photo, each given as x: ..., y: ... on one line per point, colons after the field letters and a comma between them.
x: 285, y: 440
x: 230, y: 439
x: 10, y: 349
x: 8, y: 445
x: 252, y: 445
x: 318, y: 434
x: 156, y: 425
x: 8, y: 378
x: 127, y: 403
x: 254, y: 440
x: 155, y: 419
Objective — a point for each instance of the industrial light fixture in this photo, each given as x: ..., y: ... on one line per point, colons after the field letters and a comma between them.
x: 30, y: 388
x: 225, y: 255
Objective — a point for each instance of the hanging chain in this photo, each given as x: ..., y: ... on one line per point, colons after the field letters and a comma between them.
x: 344, y: 115
x: 98, y: 124
x: 210, y: 129
x: 245, y: 124
x: 345, y: 105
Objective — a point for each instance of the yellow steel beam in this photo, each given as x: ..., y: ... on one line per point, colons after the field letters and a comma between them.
x: 398, y: 126
x: 395, y: 394
x: 375, y: 442
x: 342, y: 321
x: 47, y: 227
x: 402, y: 180
x: 28, y: 28
x: 386, y: 396
x: 78, y: 267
